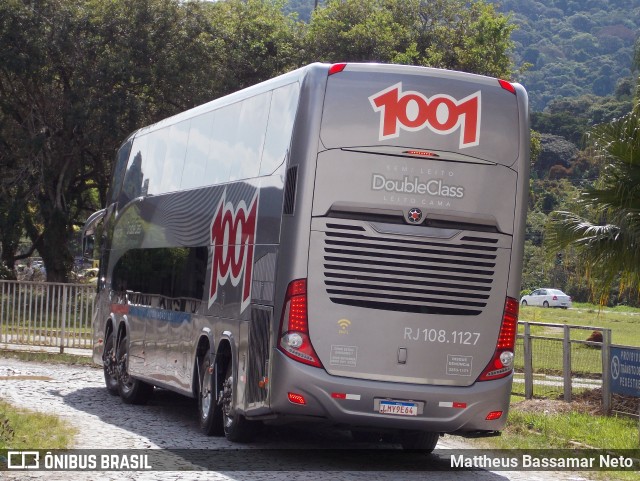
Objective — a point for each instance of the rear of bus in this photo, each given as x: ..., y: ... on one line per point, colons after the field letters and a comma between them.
x: 408, y: 313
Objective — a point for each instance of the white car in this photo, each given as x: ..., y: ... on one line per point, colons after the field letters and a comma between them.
x: 547, y: 298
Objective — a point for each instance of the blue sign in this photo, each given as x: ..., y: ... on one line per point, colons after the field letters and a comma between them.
x: 625, y: 371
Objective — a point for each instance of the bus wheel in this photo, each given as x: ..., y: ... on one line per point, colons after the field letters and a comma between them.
x: 419, y: 441
x: 209, y: 410
x: 132, y: 391
x: 236, y: 426
x: 109, y: 365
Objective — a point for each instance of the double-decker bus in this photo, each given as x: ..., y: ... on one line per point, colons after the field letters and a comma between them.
x: 342, y: 243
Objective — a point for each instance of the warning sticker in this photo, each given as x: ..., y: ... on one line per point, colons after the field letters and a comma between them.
x: 346, y: 356
x: 459, y: 365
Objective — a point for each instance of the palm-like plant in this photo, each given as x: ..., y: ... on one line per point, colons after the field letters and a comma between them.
x: 606, y: 232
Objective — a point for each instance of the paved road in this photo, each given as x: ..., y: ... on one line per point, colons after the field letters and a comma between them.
x: 76, y: 394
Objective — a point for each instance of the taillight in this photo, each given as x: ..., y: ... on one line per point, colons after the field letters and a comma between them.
x: 555, y: 298
x: 337, y: 68
x: 507, y: 86
x: 294, y: 326
x: 501, y: 364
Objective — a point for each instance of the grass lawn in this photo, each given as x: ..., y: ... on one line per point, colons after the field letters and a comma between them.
x: 551, y: 424
x: 586, y: 361
x: 22, y: 429
x: 623, y: 321
x: 47, y: 357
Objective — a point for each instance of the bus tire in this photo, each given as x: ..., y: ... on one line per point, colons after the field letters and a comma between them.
x: 132, y: 391
x: 423, y: 441
x: 236, y: 426
x: 209, y: 409
x: 109, y: 365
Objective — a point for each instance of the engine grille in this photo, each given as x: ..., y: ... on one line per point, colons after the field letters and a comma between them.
x: 421, y: 275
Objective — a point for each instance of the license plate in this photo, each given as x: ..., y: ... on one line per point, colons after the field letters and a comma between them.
x: 399, y: 408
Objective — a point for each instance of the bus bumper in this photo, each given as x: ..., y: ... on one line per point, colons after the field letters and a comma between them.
x: 352, y: 402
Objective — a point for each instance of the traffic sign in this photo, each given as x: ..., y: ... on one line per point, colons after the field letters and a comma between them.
x: 624, y: 366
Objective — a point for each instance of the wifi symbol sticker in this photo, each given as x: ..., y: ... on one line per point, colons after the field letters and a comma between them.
x: 343, y: 326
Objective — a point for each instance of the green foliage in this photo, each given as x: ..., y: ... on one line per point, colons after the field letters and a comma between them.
x: 5, y: 272
x: 571, y: 118
x: 255, y: 41
x: 554, y: 150
x: 544, y: 430
x: 22, y: 429
x: 606, y: 232
x: 453, y: 34
x: 78, y: 76
x: 575, y: 48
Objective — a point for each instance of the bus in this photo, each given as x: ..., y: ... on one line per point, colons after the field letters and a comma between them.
x: 342, y: 243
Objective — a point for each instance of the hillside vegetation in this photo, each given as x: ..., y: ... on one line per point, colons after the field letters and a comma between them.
x: 574, y: 47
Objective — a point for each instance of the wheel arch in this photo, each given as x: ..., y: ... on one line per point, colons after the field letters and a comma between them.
x: 122, y: 329
x: 205, y: 341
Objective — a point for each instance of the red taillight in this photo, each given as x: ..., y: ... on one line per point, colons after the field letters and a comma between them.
x: 337, y: 68
x: 294, y: 326
x: 501, y: 364
x: 555, y: 298
x: 507, y: 86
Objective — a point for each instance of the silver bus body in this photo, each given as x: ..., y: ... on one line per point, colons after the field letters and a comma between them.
x: 348, y: 238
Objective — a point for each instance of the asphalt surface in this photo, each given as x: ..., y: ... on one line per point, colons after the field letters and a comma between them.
x: 169, y: 421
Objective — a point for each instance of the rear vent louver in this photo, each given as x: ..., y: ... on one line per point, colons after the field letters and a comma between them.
x: 290, y: 190
x: 409, y: 275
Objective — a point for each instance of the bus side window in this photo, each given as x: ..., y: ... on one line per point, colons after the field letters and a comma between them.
x: 154, y: 166
x: 222, y: 148
x: 250, y: 133
x: 171, y: 176
x: 195, y: 163
x: 282, y: 114
x: 132, y: 185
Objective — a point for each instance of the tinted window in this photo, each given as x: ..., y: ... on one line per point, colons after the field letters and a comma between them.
x: 284, y: 104
x: 133, y: 180
x: 195, y: 163
x: 221, y: 148
x: 119, y: 170
x: 251, y: 128
x: 164, y: 277
x: 153, y: 165
x: 174, y: 160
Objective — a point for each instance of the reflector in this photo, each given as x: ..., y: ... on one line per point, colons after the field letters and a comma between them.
x: 296, y: 398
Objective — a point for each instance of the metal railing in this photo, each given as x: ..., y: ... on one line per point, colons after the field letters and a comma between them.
x: 554, y: 360
x: 46, y: 314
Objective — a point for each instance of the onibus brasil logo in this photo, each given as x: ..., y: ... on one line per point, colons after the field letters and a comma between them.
x: 441, y: 113
x: 233, y: 233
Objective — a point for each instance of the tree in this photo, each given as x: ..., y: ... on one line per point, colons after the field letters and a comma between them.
x: 78, y: 76
x: 604, y: 229
x: 453, y: 34
x: 256, y: 41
